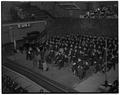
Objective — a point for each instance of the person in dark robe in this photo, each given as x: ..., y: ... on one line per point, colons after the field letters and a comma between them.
x: 28, y: 54
x: 60, y: 64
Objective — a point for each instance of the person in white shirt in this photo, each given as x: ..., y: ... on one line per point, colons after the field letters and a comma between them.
x: 36, y: 60
x: 45, y: 66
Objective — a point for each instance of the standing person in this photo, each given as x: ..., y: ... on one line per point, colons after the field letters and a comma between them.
x: 80, y: 68
x: 45, y: 66
x: 28, y: 53
x: 36, y: 60
x: 61, y: 64
x: 74, y: 68
x: 40, y: 65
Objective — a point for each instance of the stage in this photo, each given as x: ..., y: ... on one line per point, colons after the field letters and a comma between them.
x: 65, y: 75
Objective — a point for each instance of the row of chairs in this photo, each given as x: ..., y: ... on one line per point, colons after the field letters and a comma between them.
x: 83, y: 52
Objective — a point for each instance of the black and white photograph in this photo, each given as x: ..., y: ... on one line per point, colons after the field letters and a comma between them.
x: 64, y: 47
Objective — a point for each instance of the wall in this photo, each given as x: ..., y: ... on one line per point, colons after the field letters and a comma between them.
x: 86, y: 6
x: 44, y: 6
x: 61, y: 25
x: 55, y: 10
x: 97, y: 27
x: 49, y: 6
x: 8, y: 32
x: 5, y: 10
x: 52, y: 8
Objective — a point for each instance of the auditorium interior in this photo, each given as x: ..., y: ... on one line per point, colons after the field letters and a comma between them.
x: 59, y: 47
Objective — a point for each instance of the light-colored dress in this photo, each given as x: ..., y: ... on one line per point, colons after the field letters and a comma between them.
x: 36, y: 60
x: 45, y: 66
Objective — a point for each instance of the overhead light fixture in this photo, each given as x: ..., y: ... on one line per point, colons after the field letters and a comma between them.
x: 68, y: 6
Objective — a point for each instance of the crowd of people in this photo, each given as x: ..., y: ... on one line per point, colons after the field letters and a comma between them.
x: 80, y: 52
x: 10, y: 86
x: 103, y: 12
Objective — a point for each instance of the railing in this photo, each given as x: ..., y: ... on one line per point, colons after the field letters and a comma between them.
x: 17, y: 23
x: 43, y: 81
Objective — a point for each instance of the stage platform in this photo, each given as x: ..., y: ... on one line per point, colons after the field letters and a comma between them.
x: 93, y: 83
x: 65, y: 75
